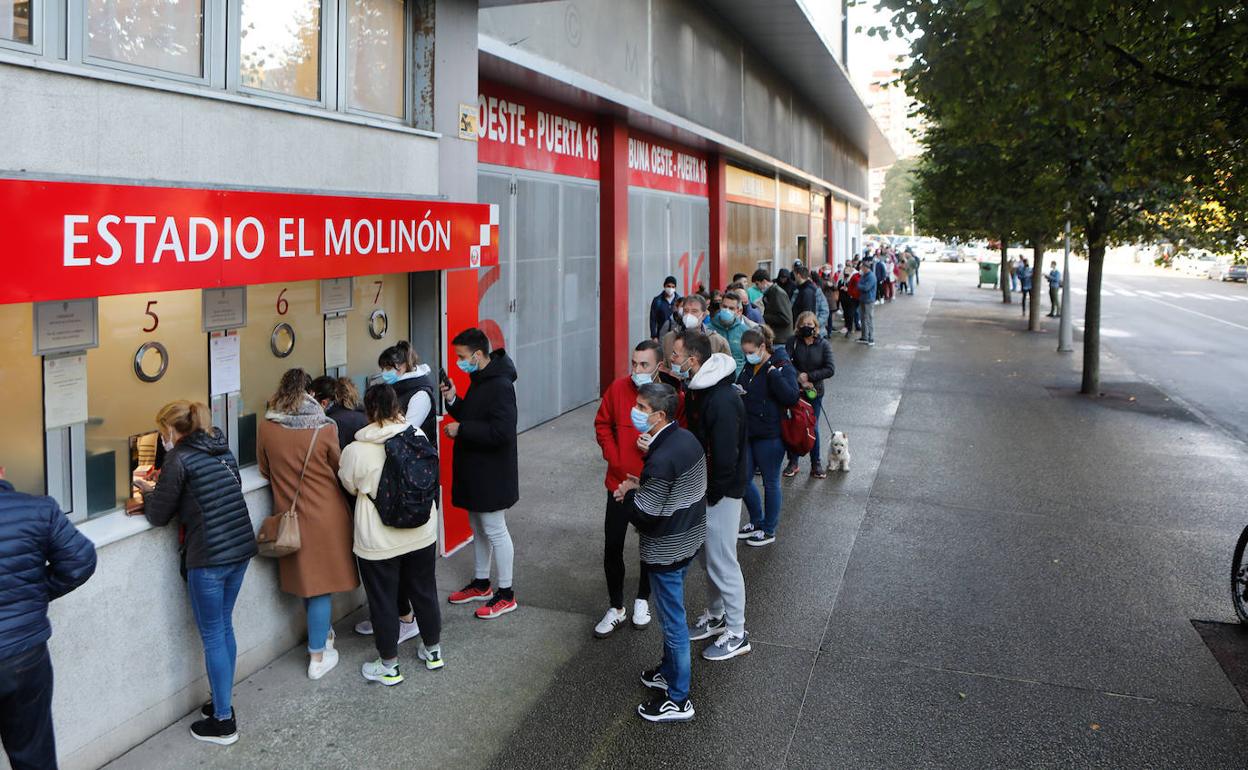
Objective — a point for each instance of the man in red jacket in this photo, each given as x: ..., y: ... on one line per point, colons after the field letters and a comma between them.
x: 619, y: 441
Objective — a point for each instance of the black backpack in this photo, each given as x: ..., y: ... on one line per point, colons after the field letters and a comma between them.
x: 409, y: 481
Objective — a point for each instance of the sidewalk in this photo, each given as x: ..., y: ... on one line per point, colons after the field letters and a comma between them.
x: 1006, y: 577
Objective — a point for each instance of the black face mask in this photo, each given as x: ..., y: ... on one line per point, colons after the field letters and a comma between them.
x: 806, y: 332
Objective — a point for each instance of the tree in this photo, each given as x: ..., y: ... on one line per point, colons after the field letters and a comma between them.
x: 894, y: 213
x: 1123, y: 111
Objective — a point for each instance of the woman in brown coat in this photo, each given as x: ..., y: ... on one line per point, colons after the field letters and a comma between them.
x: 323, y: 565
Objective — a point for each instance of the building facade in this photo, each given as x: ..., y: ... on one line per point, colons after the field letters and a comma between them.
x: 200, y: 194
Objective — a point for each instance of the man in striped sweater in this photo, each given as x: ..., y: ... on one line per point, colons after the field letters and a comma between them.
x: 668, y: 507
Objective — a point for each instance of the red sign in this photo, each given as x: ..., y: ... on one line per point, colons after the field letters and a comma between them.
x: 523, y: 131
x: 662, y: 165
x: 75, y: 240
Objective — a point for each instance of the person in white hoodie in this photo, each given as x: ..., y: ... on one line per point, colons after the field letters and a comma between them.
x: 390, y: 559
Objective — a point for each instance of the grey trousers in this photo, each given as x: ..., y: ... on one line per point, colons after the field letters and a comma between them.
x: 719, y: 559
x: 489, y: 533
x: 868, y: 321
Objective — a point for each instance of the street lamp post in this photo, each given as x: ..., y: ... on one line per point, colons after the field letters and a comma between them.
x: 912, y: 217
x: 1065, y: 330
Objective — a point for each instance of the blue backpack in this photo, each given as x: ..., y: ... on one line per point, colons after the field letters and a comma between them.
x: 409, y: 481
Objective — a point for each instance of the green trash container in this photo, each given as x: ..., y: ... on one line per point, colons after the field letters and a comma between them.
x: 988, y: 274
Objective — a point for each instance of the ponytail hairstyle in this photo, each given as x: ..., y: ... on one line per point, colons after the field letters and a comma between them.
x: 405, y: 349
x: 185, y: 417
x: 346, y: 394
x: 381, y: 404
x: 392, y: 358
x: 324, y: 389
x: 293, y: 388
x: 769, y: 337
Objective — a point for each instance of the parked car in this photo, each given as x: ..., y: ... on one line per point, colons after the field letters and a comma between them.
x: 1236, y: 272
x: 953, y: 253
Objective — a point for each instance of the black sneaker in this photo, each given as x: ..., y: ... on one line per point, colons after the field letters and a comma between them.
x: 222, y: 732
x: 662, y: 709
x: 746, y: 532
x: 207, y: 711
x: 654, y: 679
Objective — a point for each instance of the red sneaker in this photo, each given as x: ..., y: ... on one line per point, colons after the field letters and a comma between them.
x: 495, y: 607
x: 471, y: 593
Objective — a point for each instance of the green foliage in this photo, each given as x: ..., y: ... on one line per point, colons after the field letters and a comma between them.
x: 894, y: 213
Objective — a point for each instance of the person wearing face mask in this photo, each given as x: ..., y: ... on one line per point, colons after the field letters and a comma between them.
x: 695, y: 316
x: 618, y: 439
x: 661, y: 306
x: 413, y: 383
x: 677, y: 321
x: 769, y: 382
x: 811, y: 354
x: 199, y: 484
x: 728, y: 323
x: 667, y: 504
x: 341, y: 402
x: 777, y: 309
x: 485, y: 466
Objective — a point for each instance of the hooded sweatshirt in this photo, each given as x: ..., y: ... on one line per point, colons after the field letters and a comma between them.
x: 360, y: 473
x: 717, y: 418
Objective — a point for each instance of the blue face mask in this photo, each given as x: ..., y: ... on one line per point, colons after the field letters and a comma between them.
x: 389, y: 376
x: 642, y: 378
x: 641, y: 420
x: 677, y: 371
x: 726, y: 317
x: 753, y: 359
x: 466, y: 365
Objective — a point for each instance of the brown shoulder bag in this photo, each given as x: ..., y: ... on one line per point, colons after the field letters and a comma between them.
x: 279, y: 533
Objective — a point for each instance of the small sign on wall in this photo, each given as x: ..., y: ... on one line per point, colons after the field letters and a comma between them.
x: 64, y: 326
x: 64, y: 391
x: 337, y: 295
x: 225, y: 308
x: 469, y: 117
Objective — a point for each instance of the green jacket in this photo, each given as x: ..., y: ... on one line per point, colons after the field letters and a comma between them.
x: 733, y: 335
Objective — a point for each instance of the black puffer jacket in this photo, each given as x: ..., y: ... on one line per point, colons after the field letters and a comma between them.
x: 349, y: 421
x: 486, y: 473
x: 199, y: 483
x: 406, y: 389
x: 42, y: 557
x: 813, y: 358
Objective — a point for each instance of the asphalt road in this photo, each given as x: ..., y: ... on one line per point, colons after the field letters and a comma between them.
x: 1188, y: 335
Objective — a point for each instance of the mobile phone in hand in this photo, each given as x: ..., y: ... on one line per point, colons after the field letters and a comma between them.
x: 442, y: 378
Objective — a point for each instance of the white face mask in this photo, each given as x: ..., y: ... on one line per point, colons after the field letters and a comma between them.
x: 692, y: 321
x: 669, y: 292
x: 169, y: 445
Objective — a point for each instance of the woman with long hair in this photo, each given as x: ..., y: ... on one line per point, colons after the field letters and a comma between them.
x: 199, y: 484
x: 769, y: 383
x: 811, y: 353
x: 340, y: 399
x: 413, y: 384
x: 296, y: 429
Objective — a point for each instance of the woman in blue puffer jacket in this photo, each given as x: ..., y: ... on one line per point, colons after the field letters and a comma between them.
x: 769, y: 387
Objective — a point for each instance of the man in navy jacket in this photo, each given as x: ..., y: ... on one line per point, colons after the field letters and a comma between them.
x: 42, y: 557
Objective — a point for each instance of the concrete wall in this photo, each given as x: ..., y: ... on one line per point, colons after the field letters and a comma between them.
x: 686, y: 60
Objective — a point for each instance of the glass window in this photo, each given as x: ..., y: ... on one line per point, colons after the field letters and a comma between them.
x: 387, y: 293
x: 166, y: 35
x: 377, y: 55
x: 15, y: 24
x: 267, y: 307
x: 122, y: 406
x: 280, y: 47
x: 21, y: 414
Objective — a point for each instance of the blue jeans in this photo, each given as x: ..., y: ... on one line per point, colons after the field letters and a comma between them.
x: 319, y: 608
x: 667, y: 594
x: 765, y: 454
x: 213, y: 592
x: 814, y: 452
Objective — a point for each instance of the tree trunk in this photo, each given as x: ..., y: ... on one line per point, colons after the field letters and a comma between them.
x: 1003, y: 275
x: 1092, y: 312
x: 1037, y: 263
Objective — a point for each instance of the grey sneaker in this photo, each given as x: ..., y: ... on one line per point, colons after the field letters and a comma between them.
x: 707, y: 626
x: 728, y: 645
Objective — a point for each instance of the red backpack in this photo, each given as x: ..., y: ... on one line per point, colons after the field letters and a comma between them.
x: 797, y: 427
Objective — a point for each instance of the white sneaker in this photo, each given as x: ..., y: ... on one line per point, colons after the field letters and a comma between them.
x: 318, y: 669
x: 364, y: 628
x: 329, y: 640
x: 641, y: 613
x: 408, y: 630
x: 608, y: 623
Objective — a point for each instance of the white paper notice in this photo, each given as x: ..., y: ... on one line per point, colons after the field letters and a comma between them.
x: 336, y: 341
x: 224, y: 364
x: 64, y: 391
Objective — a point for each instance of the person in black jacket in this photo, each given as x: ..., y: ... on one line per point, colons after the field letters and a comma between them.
x: 717, y: 417
x: 770, y: 385
x: 661, y: 307
x: 811, y: 353
x: 199, y: 483
x: 485, y: 465
x: 341, y: 402
x: 804, y: 299
x: 777, y: 308
x: 42, y: 557
x: 667, y: 504
x: 413, y: 384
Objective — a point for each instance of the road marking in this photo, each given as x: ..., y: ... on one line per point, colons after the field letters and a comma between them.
x: 1174, y: 294
x: 1194, y: 295
x: 1077, y: 290
x: 1187, y: 352
x: 1202, y: 315
x: 1147, y: 293
x: 1126, y: 293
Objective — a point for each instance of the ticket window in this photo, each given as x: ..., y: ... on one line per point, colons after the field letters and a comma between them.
x: 377, y: 320
x: 151, y: 352
x: 21, y: 378
x: 285, y: 330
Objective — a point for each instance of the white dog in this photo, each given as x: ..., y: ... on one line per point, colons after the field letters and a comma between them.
x: 839, y: 452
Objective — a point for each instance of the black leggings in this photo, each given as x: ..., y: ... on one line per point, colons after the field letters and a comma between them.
x: 616, y: 528
x: 848, y: 305
x: 414, y: 573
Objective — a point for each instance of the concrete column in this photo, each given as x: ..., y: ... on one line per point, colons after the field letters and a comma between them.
x: 717, y: 180
x: 455, y: 83
x: 613, y: 249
